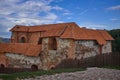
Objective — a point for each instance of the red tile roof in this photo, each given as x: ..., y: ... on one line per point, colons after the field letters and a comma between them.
x: 28, y: 49
x: 105, y: 35
x: 67, y: 30
x: 20, y: 28
x: 62, y: 30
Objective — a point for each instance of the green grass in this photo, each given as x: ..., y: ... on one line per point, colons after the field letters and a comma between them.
x: 22, y: 75
x: 112, y: 67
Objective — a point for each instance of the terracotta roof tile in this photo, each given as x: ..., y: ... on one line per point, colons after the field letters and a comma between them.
x: 21, y: 48
x: 67, y: 30
x: 57, y: 31
x: 70, y: 31
x: 78, y: 33
x: 105, y: 35
x: 20, y: 28
x: 43, y: 27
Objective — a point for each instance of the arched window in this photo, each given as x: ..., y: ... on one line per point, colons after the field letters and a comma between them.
x: 52, y: 43
x: 22, y: 40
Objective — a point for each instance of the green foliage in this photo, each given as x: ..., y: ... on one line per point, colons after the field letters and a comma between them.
x: 4, y: 40
x: 116, y: 43
x: 22, y: 75
x: 112, y: 67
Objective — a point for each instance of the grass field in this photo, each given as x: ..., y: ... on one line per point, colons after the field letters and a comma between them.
x: 14, y: 76
x: 22, y: 75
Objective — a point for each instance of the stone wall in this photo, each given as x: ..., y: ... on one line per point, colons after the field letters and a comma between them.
x: 107, y: 48
x: 50, y: 58
x: 84, y: 49
x: 67, y: 44
x: 22, y: 61
x: 70, y: 49
x: 66, y: 49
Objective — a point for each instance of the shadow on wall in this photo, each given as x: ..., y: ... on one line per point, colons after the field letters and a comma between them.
x: 95, y: 61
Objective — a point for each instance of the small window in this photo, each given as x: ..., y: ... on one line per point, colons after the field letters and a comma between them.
x: 52, y: 43
x: 40, y: 41
x: 22, y: 40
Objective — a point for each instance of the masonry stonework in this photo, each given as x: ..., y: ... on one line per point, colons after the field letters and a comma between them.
x: 22, y: 61
x: 85, y: 49
x: 45, y: 46
x: 107, y: 47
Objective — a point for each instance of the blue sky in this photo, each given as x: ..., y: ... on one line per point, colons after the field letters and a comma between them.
x: 94, y: 14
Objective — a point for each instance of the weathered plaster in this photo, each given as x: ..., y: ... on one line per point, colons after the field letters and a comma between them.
x: 22, y: 61
x: 107, y: 48
x: 84, y: 49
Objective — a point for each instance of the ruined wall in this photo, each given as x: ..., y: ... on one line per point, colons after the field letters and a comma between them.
x: 50, y: 58
x: 84, y: 49
x: 22, y: 61
x: 3, y: 59
x: 67, y: 44
x: 107, y: 48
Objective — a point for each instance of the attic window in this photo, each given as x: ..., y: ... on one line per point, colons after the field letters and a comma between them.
x: 22, y: 40
x: 52, y: 43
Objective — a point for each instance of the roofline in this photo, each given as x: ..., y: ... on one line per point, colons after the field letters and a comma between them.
x: 53, y: 24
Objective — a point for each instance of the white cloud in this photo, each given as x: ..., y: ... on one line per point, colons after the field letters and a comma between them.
x: 59, y: 21
x: 117, y: 7
x: 29, y: 9
x: 26, y: 12
x: 93, y: 26
x: 57, y: 8
x: 115, y: 19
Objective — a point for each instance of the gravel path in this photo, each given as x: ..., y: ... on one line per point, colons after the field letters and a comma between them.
x: 90, y: 74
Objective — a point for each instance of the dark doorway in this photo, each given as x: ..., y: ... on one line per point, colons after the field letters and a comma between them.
x: 34, y: 67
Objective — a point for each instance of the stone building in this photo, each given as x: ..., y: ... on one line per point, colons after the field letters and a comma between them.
x: 45, y: 46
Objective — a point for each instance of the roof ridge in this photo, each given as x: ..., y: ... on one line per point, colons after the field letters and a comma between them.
x: 49, y: 24
x: 63, y: 30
